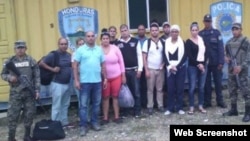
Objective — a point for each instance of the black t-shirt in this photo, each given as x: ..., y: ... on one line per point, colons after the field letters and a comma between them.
x: 64, y: 75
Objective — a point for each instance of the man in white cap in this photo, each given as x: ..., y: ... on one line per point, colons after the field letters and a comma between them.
x: 166, y: 30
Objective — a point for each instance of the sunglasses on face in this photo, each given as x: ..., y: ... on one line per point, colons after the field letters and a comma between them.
x: 64, y: 44
x: 20, y: 47
x: 235, y: 28
x: 90, y: 36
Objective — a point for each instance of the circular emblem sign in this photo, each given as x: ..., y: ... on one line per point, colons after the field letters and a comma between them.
x: 224, y: 22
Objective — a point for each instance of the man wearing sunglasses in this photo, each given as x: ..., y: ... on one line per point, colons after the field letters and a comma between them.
x: 238, y: 48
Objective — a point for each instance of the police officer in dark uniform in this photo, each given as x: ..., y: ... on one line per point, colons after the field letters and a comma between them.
x: 238, y: 47
x: 21, y: 98
x: 215, y: 54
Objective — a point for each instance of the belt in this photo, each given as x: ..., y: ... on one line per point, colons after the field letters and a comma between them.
x: 131, y: 68
x: 155, y: 69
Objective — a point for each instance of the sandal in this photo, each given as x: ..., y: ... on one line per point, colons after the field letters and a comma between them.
x: 117, y: 120
x: 190, y: 112
x: 203, y: 111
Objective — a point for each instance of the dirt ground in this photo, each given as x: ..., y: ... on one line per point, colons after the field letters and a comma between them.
x: 146, y: 128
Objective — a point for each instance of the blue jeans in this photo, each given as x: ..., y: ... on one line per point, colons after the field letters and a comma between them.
x: 60, y: 102
x: 90, y: 92
x: 134, y: 85
x: 45, y: 91
x: 213, y: 72
x: 73, y: 89
x: 175, y: 86
x: 196, y: 76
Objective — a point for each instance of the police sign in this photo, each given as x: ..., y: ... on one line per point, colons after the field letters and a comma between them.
x: 75, y: 21
x: 224, y: 14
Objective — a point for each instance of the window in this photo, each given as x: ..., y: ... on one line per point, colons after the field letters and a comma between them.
x: 146, y: 11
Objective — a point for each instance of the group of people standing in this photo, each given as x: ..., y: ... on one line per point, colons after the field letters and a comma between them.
x: 163, y: 63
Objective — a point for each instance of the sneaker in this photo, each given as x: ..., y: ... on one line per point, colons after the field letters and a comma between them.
x: 205, y: 105
x: 70, y: 125
x: 167, y: 113
x: 83, y: 131
x: 28, y: 138
x: 222, y: 105
x: 181, y: 112
x: 96, y: 127
x: 150, y: 111
x: 161, y: 109
x: 137, y: 114
x: 104, y: 121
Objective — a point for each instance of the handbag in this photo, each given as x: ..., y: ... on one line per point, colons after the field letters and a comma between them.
x: 125, y: 98
x: 48, y: 130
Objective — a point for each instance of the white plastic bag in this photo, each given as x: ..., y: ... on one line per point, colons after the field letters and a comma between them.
x: 125, y: 98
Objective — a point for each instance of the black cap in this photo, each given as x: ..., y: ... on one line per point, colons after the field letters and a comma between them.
x: 207, y: 17
x: 237, y: 25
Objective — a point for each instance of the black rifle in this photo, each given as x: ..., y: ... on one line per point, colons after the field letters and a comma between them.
x: 234, y: 63
x: 24, y: 81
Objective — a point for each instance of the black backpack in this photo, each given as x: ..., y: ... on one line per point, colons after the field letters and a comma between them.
x: 47, y: 76
x: 161, y: 40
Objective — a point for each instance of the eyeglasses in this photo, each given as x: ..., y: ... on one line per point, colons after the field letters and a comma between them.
x: 63, y: 44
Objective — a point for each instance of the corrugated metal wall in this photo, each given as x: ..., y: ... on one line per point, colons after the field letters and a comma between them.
x: 37, y: 20
x: 183, y: 12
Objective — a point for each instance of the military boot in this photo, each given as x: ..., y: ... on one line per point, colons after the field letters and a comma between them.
x: 246, y: 117
x: 27, y: 134
x: 11, y: 136
x: 232, y: 112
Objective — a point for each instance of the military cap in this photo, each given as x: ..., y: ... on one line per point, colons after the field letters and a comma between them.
x: 165, y: 23
x: 154, y: 24
x: 237, y: 25
x: 20, y: 43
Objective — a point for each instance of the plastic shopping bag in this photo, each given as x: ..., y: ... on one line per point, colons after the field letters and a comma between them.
x: 125, y: 98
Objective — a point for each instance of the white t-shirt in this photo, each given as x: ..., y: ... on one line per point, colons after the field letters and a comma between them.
x: 154, y: 57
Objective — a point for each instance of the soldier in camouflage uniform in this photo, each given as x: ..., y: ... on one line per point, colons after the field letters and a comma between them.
x: 21, y: 98
x: 238, y: 41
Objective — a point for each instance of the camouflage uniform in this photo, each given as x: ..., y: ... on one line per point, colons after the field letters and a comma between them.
x: 21, y: 98
x: 243, y: 60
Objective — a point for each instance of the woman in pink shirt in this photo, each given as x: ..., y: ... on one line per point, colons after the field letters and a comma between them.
x: 115, y: 74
